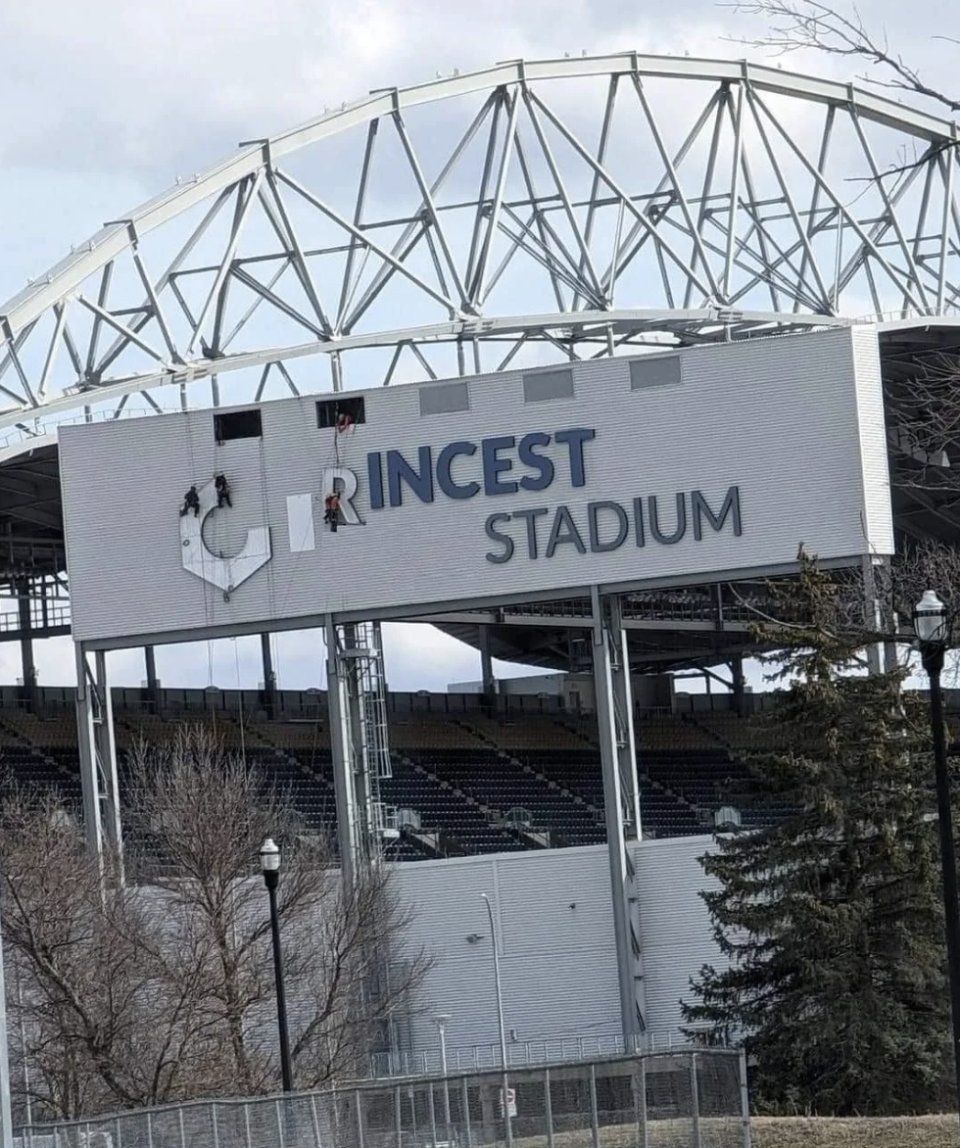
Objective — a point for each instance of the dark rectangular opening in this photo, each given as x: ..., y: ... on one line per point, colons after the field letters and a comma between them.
x: 237, y: 424
x: 331, y: 411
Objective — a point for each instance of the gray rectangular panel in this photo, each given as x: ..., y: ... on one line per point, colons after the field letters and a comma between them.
x: 444, y: 399
x: 655, y: 371
x: 540, y: 386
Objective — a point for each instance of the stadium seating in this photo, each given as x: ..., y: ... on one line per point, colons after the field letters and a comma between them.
x: 476, y: 782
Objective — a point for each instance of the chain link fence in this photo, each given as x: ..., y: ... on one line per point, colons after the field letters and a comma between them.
x: 666, y: 1100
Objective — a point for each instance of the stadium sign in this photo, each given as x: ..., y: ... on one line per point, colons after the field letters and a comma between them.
x: 603, y: 526
x: 713, y: 462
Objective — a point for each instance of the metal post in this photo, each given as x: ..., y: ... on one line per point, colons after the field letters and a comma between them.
x: 744, y: 1098
x: 695, y: 1100
x: 153, y: 685
x: 272, y: 880
x: 269, y: 677
x: 318, y: 1138
x: 465, y: 1105
x: 933, y: 658
x: 611, y: 674
x: 26, y: 644
x: 488, y: 683
x: 358, y: 1108
x: 397, y: 1117
x: 644, y: 1132
x: 6, y: 1126
x: 341, y: 748
x: 442, y: 1026
x: 432, y: 1112
x: 498, y: 987
x: 548, y: 1106
x: 594, y: 1114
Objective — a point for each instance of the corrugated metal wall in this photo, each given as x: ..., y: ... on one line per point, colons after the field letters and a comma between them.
x: 558, y: 961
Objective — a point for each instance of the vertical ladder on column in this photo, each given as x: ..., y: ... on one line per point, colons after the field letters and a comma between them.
x: 375, y: 739
x: 360, y: 742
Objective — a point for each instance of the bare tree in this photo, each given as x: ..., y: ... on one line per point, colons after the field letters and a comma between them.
x: 201, y: 815
x: 97, y: 1031
x: 796, y: 25
x: 162, y: 989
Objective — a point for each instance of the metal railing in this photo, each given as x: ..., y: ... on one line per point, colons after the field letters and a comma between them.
x: 664, y: 1100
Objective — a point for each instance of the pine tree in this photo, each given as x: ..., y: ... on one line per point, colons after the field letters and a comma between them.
x: 830, y: 914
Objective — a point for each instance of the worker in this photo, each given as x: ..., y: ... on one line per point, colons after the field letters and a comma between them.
x: 191, y: 501
x: 331, y: 512
x: 223, y: 491
x: 344, y: 423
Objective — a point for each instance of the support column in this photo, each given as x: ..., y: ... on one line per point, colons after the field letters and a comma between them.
x: 341, y: 751
x: 488, y: 686
x: 611, y: 673
x: 873, y: 614
x: 153, y: 684
x: 98, y: 757
x: 269, y: 678
x: 29, y: 695
x: 738, y: 682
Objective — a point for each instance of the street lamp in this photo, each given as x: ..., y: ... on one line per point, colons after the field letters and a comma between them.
x: 508, y: 1125
x: 270, y: 867
x: 441, y: 1020
x: 930, y: 625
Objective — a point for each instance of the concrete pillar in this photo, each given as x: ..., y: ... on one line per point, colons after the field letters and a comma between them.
x: 269, y: 677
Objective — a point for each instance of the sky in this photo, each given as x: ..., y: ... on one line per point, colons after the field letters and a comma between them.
x: 110, y: 100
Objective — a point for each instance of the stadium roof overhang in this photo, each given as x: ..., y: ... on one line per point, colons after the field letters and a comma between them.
x: 684, y: 634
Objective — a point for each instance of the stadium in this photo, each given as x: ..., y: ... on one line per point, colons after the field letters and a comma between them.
x: 433, y: 357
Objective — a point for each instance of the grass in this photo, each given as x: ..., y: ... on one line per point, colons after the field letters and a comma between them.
x: 828, y: 1132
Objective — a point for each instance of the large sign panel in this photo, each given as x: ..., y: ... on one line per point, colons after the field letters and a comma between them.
x: 617, y: 472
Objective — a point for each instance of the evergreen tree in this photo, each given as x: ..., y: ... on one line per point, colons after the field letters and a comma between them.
x: 830, y: 914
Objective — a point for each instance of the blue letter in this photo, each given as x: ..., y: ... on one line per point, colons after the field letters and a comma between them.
x: 658, y: 535
x: 444, y: 461
x: 531, y: 516
x: 731, y: 505
x: 375, y: 475
x: 503, y: 539
x: 398, y: 469
x: 638, y: 521
x: 576, y: 438
x: 596, y: 545
x: 570, y: 532
x: 528, y: 458
x: 492, y: 466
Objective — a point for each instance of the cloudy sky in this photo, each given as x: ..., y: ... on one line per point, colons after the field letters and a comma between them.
x: 107, y: 101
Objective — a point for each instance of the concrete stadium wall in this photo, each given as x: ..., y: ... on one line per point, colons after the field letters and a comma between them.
x: 558, y: 962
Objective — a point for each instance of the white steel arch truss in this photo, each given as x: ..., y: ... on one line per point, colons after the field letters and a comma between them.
x: 533, y: 211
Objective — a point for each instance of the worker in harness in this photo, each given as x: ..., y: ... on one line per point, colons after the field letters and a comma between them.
x: 191, y: 501
x: 222, y: 488
x: 331, y: 514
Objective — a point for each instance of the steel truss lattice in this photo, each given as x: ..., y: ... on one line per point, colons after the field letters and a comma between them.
x: 533, y: 211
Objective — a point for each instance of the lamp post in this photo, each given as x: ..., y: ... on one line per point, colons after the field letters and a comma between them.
x: 508, y: 1124
x: 930, y: 625
x: 270, y: 867
x: 441, y: 1019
